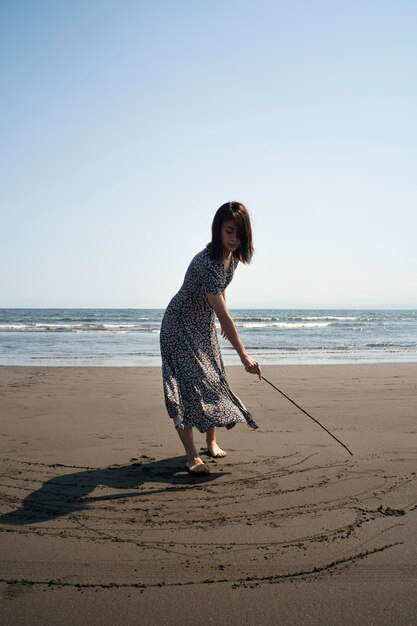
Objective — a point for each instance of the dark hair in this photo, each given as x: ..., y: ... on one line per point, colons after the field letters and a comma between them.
x: 237, y: 212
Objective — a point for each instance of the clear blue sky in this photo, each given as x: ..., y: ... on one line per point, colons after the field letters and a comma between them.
x: 124, y: 125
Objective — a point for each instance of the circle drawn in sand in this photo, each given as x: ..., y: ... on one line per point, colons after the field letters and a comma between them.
x: 150, y: 524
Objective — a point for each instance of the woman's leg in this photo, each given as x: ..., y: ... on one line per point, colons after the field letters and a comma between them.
x: 194, y: 463
x: 212, y: 445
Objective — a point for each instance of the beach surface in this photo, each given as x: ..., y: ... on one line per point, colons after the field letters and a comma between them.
x: 101, y: 524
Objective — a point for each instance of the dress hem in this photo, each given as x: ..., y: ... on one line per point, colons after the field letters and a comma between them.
x: 180, y: 424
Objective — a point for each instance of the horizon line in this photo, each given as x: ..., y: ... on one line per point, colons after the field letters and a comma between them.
x: 255, y: 307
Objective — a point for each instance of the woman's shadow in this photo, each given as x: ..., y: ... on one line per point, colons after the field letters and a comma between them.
x: 63, y: 495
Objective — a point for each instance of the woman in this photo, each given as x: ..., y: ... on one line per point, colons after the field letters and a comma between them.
x: 195, y: 387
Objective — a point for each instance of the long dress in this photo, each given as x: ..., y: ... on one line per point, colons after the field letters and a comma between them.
x: 195, y: 387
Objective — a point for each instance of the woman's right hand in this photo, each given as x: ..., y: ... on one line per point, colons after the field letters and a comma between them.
x: 251, y: 365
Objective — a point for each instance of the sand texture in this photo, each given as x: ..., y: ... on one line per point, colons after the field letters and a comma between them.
x: 101, y: 524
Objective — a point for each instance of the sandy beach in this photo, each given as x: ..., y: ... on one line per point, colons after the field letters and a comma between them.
x: 101, y: 524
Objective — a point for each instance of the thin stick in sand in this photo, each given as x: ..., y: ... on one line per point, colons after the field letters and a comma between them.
x: 308, y: 414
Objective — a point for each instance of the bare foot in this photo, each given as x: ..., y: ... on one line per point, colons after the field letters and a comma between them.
x: 197, y: 466
x: 215, y: 451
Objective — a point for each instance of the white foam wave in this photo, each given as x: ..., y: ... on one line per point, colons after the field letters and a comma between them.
x: 37, y: 327
x: 117, y: 326
x: 289, y: 325
x: 340, y: 318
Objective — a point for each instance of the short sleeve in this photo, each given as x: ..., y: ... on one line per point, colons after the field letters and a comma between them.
x: 210, y: 276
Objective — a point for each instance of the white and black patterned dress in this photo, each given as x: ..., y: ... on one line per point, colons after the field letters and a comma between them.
x: 195, y: 387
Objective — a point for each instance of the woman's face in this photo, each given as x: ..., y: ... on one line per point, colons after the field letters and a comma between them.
x: 229, y: 236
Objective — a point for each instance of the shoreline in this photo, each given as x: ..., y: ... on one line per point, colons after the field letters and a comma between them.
x: 227, y: 367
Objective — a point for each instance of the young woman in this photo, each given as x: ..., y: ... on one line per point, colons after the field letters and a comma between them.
x: 196, y: 391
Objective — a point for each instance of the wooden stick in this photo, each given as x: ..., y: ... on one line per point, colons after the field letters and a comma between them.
x: 308, y: 414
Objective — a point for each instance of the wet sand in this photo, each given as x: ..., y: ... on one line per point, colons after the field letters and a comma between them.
x: 99, y: 521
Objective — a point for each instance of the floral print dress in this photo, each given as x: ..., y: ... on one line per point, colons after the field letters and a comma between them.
x: 195, y: 387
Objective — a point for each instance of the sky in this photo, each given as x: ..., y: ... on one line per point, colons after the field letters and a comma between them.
x: 125, y: 125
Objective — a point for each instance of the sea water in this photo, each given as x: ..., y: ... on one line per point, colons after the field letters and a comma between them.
x: 130, y: 337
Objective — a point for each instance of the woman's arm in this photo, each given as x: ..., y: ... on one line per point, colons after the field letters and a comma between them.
x: 218, y: 303
x: 221, y: 327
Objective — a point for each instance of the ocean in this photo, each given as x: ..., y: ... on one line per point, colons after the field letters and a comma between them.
x: 130, y: 337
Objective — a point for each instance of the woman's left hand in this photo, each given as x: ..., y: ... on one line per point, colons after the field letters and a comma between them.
x: 251, y: 366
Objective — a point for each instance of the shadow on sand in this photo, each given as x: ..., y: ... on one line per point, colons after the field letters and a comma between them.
x: 63, y: 495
